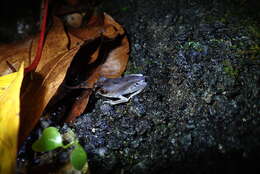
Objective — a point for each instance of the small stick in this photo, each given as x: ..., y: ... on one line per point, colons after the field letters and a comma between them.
x: 11, y: 66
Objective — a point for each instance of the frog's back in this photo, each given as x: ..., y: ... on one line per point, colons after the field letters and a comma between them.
x: 123, y: 86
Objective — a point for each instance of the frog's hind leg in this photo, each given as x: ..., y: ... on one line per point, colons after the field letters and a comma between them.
x: 121, y: 99
x: 135, y: 75
x: 135, y: 93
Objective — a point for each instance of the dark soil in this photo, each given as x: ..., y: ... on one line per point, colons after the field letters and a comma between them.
x: 200, y: 110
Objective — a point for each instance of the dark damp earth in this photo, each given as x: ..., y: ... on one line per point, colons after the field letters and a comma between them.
x: 200, y: 110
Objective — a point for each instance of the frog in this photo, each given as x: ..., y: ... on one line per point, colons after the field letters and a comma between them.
x: 119, y: 88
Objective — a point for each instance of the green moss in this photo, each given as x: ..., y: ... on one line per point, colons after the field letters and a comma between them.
x: 229, y: 69
x: 254, y: 30
x: 253, y: 52
x: 217, y: 41
x: 193, y: 45
x: 124, y: 9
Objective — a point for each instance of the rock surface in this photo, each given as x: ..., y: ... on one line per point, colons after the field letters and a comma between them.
x: 200, y: 110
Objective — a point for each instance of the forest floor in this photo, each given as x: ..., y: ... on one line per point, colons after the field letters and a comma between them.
x: 200, y: 110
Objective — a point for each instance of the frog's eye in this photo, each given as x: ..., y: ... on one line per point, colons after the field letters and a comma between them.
x: 138, y: 83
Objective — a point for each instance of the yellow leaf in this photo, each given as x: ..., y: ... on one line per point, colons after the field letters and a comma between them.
x: 9, y: 119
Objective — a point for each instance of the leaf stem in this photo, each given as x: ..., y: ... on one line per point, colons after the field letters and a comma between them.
x: 70, y: 144
x: 38, y: 55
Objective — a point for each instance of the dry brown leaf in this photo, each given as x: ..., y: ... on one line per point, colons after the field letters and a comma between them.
x: 59, y: 49
x: 117, y: 60
x: 108, y: 28
x: 114, y: 65
x: 39, y: 86
x: 89, y: 32
x: 56, y: 58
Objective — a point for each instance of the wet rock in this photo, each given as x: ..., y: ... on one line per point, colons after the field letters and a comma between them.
x: 106, y: 109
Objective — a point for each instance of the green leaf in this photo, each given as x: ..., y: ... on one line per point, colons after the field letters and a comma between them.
x: 78, y: 157
x: 50, y: 139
